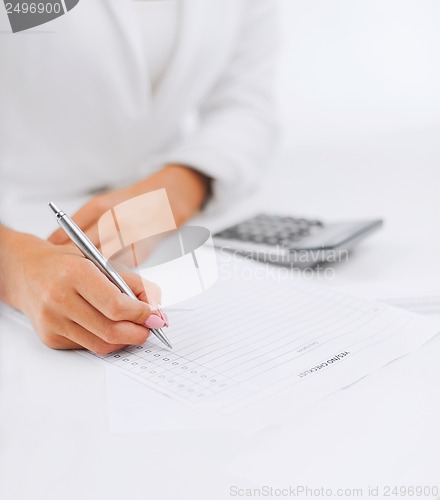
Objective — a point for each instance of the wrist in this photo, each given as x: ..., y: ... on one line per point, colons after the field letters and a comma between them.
x: 187, y: 189
x: 199, y: 181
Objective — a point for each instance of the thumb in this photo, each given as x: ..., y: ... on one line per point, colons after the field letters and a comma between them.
x: 154, y: 297
x: 149, y: 292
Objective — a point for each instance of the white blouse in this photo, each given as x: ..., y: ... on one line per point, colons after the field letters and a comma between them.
x: 86, y: 105
x: 158, y: 20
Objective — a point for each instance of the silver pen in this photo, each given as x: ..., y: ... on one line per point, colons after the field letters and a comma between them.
x: 92, y: 253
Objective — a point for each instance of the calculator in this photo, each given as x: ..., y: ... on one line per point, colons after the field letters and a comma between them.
x: 300, y: 242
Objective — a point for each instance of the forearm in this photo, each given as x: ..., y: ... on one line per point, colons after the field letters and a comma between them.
x: 12, y: 248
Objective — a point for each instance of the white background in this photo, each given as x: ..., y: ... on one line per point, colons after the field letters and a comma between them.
x: 358, y: 70
x: 359, y: 94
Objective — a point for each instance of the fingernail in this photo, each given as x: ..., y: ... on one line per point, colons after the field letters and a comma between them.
x: 157, y: 309
x: 154, y: 321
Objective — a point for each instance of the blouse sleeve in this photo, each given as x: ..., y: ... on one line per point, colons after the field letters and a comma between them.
x: 238, y: 128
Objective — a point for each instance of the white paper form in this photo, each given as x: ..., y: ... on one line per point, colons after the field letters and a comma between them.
x: 252, y: 351
x: 254, y: 348
x: 421, y: 305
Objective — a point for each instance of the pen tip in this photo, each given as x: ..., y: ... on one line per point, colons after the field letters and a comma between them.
x: 54, y: 208
x: 161, y: 336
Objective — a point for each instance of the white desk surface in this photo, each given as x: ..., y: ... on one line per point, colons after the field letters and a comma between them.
x: 55, y: 439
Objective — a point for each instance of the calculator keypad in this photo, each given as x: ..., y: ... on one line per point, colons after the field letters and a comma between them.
x: 271, y: 230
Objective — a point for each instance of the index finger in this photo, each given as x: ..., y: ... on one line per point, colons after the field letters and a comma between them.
x: 106, y: 297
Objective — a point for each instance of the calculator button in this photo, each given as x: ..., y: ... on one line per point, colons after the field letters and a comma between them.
x: 271, y: 241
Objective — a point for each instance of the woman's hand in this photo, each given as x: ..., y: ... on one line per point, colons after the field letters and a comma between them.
x: 186, y: 190
x: 70, y: 303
